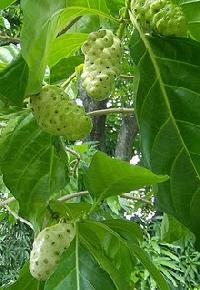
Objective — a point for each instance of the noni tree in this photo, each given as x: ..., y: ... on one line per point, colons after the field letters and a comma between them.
x: 64, y: 55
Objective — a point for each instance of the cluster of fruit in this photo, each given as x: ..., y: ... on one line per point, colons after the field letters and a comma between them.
x: 160, y: 16
x: 102, y: 53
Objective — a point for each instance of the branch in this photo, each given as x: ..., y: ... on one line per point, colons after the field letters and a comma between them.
x: 18, y: 217
x: 67, y: 81
x: 127, y: 77
x: 7, y: 201
x: 124, y: 19
x: 9, y: 39
x: 73, y: 195
x: 69, y: 25
x: 128, y: 196
x: 110, y: 111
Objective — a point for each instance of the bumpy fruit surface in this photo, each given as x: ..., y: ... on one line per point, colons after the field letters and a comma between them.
x: 160, y: 16
x: 47, y: 249
x: 58, y: 115
x: 102, y: 53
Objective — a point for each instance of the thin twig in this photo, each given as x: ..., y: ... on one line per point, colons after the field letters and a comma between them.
x: 69, y: 25
x: 9, y: 39
x: 67, y: 81
x: 77, y: 156
x: 110, y: 111
x: 18, y: 217
x: 73, y: 195
x: 128, y: 196
x: 83, y: 193
x: 127, y: 77
x: 7, y: 201
x: 124, y: 19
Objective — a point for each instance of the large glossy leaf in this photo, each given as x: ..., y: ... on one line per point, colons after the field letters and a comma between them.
x: 79, y: 270
x: 132, y: 234
x: 26, y: 281
x: 38, y: 32
x: 33, y: 166
x: 13, y: 82
x: 168, y: 105
x: 107, y: 176
x: 128, y: 230
x: 97, y: 4
x: 64, y: 46
x: 111, y: 253
x: 192, y: 11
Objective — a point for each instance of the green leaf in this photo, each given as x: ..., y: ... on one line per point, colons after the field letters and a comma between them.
x: 128, y: 230
x: 40, y: 22
x: 13, y: 82
x: 114, y: 6
x: 109, y: 250
x: 64, y: 46
x: 64, y: 68
x: 5, y: 3
x: 33, y: 167
x: 107, y: 176
x: 100, y: 5
x: 173, y: 231
x: 79, y: 270
x: 70, y: 13
x: 86, y: 24
x: 71, y: 211
x: 167, y: 108
x: 191, y: 10
x: 26, y: 281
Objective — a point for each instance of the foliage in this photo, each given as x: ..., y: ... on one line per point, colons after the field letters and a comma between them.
x: 46, y: 174
x: 15, y: 244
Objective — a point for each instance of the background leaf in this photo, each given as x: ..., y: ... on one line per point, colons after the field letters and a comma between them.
x: 107, y: 176
x: 168, y: 106
x: 26, y: 281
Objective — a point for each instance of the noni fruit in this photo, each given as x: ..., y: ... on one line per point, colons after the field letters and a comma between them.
x: 160, y: 16
x: 58, y: 115
x: 47, y: 249
x: 102, y: 53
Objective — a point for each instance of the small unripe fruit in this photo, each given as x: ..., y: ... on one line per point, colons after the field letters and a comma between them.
x: 58, y: 115
x: 47, y: 249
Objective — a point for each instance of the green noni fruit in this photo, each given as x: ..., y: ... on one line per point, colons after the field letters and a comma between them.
x: 58, y: 115
x: 47, y: 249
x: 160, y: 16
x: 102, y: 53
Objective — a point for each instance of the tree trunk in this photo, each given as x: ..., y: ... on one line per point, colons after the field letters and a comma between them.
x: 98, y: 131
x: 126, y: 137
